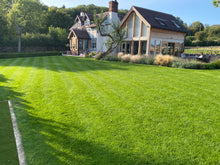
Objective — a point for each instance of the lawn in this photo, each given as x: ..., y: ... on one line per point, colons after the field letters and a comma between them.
x: 205, y: 49
x: 80, y: 111
x: 8, y: 151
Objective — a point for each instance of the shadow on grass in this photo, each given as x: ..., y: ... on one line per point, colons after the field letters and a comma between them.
x: 68, y: 64
x: 8, y: 150
x: 49, y: 142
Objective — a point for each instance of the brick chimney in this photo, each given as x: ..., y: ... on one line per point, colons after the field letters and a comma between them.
x: 113, y: 6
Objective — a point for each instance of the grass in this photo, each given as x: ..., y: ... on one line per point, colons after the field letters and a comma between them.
x: 205, y: 49
x: 80, y: 111
x: 8, y: 151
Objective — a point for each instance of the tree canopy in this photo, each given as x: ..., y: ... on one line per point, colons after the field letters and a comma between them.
x: 30, y: 22
x: 216, y: 3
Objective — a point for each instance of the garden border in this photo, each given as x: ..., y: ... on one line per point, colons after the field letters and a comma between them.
x: 21, y: 155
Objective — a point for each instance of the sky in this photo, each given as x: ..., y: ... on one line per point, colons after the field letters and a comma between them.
x: 188, y: 10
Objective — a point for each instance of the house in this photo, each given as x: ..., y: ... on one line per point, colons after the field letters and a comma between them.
x: 150, y: 32
x: 84, y: 37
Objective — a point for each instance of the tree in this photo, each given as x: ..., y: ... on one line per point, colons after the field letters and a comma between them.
x: 201, y: 35
x: 25, y: 15
x: 57, y: 18
x: 216, y: 3
x: 195, y: 27
x: 115, y: 35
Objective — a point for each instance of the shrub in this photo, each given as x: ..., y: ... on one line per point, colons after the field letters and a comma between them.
x: 111, y: 57
x: 210, y: 66
x: 149, y: 60
x: 193, y: 64
x: 126, y: 58
x: 217, y: 63
x: 178, y: 63
x: 164, y: 60
x: 120, y: 54
x: 98, y: 56
x: 137, y: 59
x: 92, y: 54
x: 190, y: 64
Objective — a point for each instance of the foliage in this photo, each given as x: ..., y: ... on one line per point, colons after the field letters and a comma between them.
x: 217, y: 63
x: 187, y: 64
x: 201, y: 35
x: 164, y: 60
x: 137, y: 59
x: 111, y: 57
x: 120, y: 54
x: 195, y: 27
x: 92, y: 54
x: 126, y: 58
x: 114, y: 34
x: 21, y: 20
x: 57, y: 17
x: 216, y: 3
x: 214, y: 50
x: 58, y: 36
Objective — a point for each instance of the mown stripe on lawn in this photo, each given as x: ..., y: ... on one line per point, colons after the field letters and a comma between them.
x: 8, y: 151
x: 99, y: 85
x: 96, y: 112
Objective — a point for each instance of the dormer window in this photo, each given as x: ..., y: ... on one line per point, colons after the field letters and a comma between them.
x: 161, y: 21
x: 176, y: 24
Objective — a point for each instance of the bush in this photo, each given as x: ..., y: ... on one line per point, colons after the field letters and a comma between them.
x: 187, y: 64
x: 149, y: 60
x: 164, y: 60
x: 98, y: 56
x: 126, y: 58
x: 209, y: 66
x: 178, y: 63
x: 92, y: 54
x: 137, y: 59
x: 120, y: 54
x: 217, y: 63
x: 111, y: 57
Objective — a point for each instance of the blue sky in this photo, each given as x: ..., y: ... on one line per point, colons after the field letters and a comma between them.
x: 188, y: 10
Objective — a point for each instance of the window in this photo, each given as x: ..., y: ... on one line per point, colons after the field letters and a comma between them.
x: 136, y: 46
x: 152, y: 47
x: 171, y: 48
x: 87, y: 22
x: 144, y: 30
x: 157, y: 47
x: 130, y: 28
x: 164, y: 48
x: 178, y: 49
x: 80, y: 44
x: 86, y: 45
x: 176, y: 24
x: 143, y: 47
x: 128, y: 48
x: 123, y: 48
x: 161, y: 21
x: 137, y: 27
x: 93, y: 44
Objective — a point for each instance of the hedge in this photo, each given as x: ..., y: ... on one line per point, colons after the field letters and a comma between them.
x: 35, y: 54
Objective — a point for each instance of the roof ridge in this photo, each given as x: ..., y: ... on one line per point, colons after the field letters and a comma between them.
x: 153, y: 10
